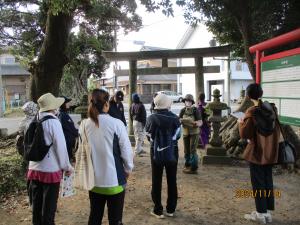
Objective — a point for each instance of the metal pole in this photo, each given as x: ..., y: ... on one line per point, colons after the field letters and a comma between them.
x: 228, y: 80
x: 1, y: 94
x: 115, y: 80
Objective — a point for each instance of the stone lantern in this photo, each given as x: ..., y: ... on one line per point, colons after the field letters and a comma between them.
x: 83, y: 108
x: 216, y: 153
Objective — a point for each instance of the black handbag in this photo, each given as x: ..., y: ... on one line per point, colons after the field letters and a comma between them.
x: 286, y: 153
x: 286, y: 150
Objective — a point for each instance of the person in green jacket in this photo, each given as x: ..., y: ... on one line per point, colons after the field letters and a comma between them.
x: 191, y: 121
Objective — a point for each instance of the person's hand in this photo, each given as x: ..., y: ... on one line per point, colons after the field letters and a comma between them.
x: 240, y: 120
x: 68, y: 173
x: 198, y: 123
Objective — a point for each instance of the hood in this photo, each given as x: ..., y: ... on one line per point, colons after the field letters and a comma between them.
x: 163, y: 118
x: 265, y: 117
x: 135, y: 98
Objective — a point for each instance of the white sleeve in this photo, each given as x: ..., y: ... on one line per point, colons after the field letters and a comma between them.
x: 125, y: 147
x: 60, y: 147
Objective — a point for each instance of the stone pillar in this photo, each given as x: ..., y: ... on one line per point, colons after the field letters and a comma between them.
x: 215, y: 152
x: 132, y: 89
x: 199, y: 76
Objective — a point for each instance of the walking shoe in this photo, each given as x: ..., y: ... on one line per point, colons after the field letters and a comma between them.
x: 169, y: 214
x: 189, y: 171
x: 255, y: 216
x: 140, y: 153
x: 161, y: 216
x: 186, y: 168
x: 268, y: 217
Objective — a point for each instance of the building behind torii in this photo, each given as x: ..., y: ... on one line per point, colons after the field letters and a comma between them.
x: 164, y: 55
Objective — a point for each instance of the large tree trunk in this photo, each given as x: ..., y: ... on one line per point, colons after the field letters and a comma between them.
x: 48, y: 69
x: 240, y: 13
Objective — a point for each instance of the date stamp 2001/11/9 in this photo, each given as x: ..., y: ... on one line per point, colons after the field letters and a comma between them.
x: 247, y: 193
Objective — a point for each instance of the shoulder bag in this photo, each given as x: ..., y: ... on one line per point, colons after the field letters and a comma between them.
x: 84, y: 170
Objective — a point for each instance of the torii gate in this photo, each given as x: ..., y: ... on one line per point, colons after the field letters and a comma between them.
x: 164, y: 55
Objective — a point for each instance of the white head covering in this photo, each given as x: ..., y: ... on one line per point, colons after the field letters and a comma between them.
x: 49, y: 102
x: 162, y: 101
x: 30, y: 108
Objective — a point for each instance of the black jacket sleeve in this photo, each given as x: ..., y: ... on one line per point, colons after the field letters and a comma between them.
x: 143, y: 114
x: 123, y: 115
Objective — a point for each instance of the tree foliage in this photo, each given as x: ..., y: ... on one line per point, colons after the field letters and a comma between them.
x: 240, y: 23
x: 43, y: 33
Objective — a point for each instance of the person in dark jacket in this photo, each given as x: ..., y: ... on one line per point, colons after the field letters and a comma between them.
x: 116, y: 108
x: 165, y: 121
x: 261, y: 151
x: 138, y: 115
x: 70, y: 131
x: 152, y: 104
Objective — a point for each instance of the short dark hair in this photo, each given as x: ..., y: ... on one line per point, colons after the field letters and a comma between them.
x: 201, y: 96
x: 254, y: 91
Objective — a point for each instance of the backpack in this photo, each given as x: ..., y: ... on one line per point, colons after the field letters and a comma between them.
x: 163, y: 147
x: 265, y: 118
x: 35, y: 148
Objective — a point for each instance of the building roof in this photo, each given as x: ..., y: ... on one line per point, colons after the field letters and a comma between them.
x: 151, y: 48
x: 13, y: 69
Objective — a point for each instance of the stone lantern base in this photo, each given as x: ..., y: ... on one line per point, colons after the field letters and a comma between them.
x: 216, y: 155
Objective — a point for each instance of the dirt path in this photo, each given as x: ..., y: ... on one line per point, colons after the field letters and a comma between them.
x: 207, y: 198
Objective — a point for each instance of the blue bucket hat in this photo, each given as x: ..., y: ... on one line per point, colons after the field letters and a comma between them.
x: 135, y: 98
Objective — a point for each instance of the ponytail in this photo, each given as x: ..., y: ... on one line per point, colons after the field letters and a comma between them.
x: 98, y: 98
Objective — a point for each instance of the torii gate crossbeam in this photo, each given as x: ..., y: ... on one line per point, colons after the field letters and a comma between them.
x: 164, y: 55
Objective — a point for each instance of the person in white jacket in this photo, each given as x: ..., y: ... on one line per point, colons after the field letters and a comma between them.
x: 45, y: 175
x: 112, y: 160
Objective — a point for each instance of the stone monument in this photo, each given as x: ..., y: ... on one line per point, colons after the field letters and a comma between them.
x: 215, y: 152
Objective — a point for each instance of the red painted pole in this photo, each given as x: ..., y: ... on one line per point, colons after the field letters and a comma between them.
x: 257, y: 59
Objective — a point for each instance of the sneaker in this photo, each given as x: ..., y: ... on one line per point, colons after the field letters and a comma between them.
x: 189, y: 171
x: 169, y: 214
x: 268, y: 217
x: 140, y: 153
x: 161, y: 216
x: 255, y: 216
x: 186, y: 168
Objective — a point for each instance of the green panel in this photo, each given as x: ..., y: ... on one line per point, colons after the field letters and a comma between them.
x: 290, y: 120
x: 285, y: 62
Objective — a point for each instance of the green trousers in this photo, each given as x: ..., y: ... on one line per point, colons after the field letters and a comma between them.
x: 190, y: 144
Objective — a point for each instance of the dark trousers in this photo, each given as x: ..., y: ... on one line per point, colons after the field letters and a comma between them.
x: 44, y: 202
x: 115, y: 205
x: 157, y: 173
x: 262, y: 184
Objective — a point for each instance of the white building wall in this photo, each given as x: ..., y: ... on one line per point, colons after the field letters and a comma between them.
x: 239, y: 74
x: 200, y: 38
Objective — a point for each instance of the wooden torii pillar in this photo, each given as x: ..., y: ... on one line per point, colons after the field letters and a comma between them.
x: 197, y: 53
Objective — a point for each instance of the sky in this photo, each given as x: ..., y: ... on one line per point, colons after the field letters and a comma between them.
x: 158, y: 31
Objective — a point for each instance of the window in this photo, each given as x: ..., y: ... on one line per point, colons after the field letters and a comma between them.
x: 9, y: 60
x: 239, y: 66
